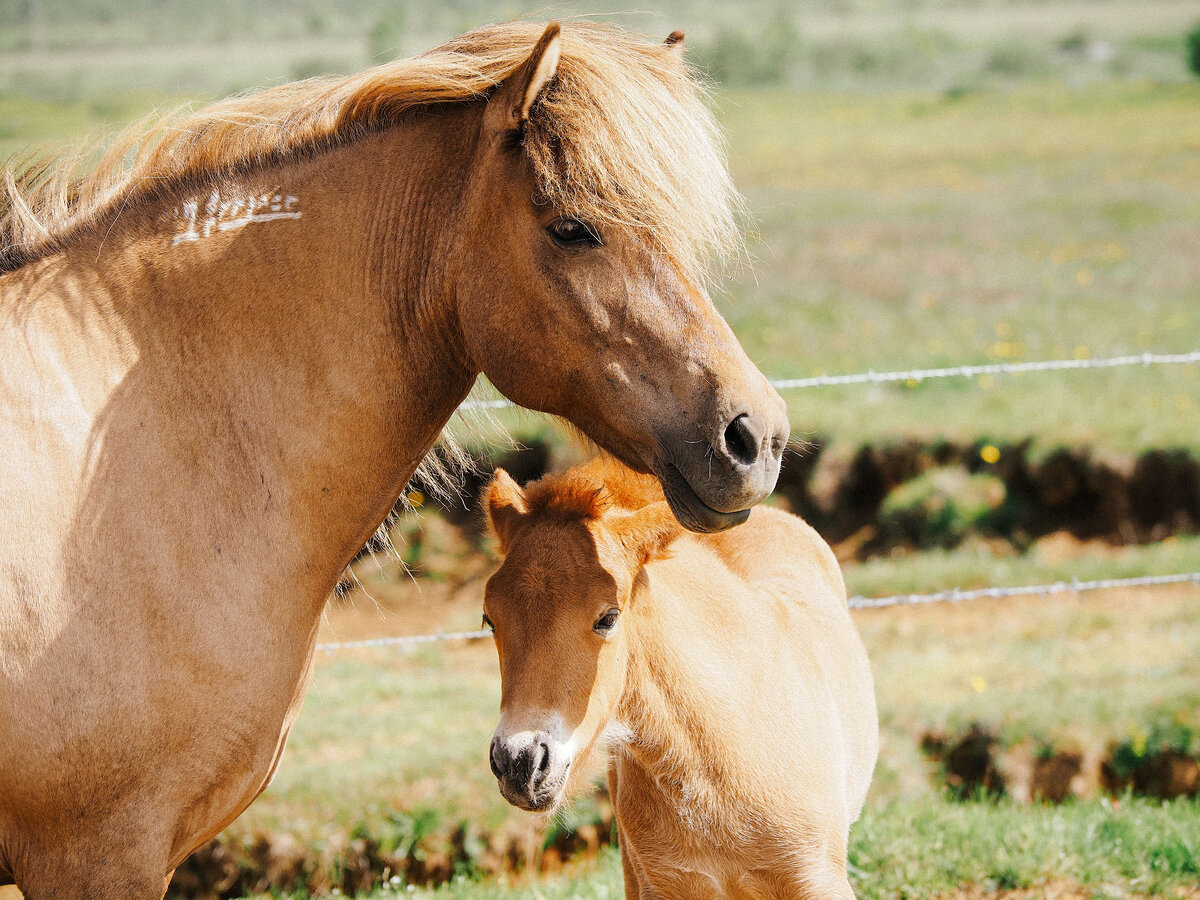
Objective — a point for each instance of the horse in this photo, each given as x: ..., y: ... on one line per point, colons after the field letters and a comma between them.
x: 228, y: 345
x: 722, y: 669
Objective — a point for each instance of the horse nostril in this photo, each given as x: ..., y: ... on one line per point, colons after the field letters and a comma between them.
x: 539, y: 764
x: 499, y: 766
x: 742, y: 440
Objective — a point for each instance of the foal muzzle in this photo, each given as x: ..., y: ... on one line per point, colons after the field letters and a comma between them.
x: 531, y: 768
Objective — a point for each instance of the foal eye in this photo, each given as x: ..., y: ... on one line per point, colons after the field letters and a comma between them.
x: 488, y: 623
x: 606, y: 622
x: 573, y: 234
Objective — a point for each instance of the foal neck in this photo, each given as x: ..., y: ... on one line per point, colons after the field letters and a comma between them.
x: 675, y: 712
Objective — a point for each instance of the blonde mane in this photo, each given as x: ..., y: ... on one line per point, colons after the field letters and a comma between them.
x: 622, y: 136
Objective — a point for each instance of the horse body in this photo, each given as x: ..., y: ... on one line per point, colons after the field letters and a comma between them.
x: 167, y: 556
x: 735, y: 675
x: 219, y: 375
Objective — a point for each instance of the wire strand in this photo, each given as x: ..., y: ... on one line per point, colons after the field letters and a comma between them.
x: 954, y: 595
x: 963, y: 371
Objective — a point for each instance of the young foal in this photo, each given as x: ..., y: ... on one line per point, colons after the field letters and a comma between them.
x: 725, y: 666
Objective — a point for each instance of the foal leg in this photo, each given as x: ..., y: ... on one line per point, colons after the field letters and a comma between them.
x: 629, y: 863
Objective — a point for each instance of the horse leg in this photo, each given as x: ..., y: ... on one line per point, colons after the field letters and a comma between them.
x: 99, y: 884
x: 107, y: 864
x: 629, y: 863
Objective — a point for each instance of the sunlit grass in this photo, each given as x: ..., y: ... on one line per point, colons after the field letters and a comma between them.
x: 925, y: 849
x: 902, y: 231
x: 894, y: 231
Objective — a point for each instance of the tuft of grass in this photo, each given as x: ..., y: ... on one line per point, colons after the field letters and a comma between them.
x: 930, y: 848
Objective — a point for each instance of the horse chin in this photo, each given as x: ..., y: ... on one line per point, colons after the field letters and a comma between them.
x: 545, y: 800
x: 692, y: 512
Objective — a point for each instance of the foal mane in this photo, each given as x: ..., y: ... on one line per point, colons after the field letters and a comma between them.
x: 621, y: 136
x: 590, y: 490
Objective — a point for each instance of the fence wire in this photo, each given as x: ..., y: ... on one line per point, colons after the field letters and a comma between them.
x: 1074, y: 586
x: 963, y: 371
x: 954, y: 595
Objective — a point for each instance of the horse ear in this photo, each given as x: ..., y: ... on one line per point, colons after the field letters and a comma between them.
x: 505, y: 507
x: 648, y: 532
x: 509, y: 107
x: 674, y: 43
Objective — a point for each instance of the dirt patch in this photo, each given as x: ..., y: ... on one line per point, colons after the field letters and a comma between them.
x: 360, y: 861
x: 848, y: 496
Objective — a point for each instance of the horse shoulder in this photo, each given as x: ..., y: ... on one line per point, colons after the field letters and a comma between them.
x: 781, y: 548
x: 795, y: 583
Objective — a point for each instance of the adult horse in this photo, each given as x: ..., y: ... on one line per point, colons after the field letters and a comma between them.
x: 228, y: 347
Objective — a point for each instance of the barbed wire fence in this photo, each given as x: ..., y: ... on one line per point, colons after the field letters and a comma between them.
x: 952, y: 595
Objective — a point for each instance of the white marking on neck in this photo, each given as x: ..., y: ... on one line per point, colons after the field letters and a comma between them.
x: 231, y: 214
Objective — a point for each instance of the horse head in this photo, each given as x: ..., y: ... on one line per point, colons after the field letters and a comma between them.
x: 561, y: 608
x: 586, y: 219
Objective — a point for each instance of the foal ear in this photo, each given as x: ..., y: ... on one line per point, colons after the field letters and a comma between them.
x: 505, y: 508
x: 647, y: 533
x: 509, y: 107
x: 674, y: 44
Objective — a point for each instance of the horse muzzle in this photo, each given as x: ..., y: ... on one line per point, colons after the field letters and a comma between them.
x: 531, y: 769
x: 711, y: 484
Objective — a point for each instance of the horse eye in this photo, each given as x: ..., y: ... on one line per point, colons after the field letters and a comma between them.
x: 573, y: 234
x: 606, y: 622
x: 488, y: 623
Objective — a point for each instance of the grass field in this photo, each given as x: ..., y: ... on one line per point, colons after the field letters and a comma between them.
x: 900, y: 231
x: 1075, y: 672
x: 931, y: 849
x: 999, y: 199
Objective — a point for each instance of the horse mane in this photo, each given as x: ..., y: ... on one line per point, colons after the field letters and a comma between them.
x: 621, y: 136
x: 590, y: 490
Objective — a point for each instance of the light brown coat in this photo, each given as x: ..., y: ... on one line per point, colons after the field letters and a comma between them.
x: 723, y: 669
x: 222, y: 364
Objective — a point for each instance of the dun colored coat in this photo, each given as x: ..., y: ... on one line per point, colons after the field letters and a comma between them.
x: 227, y: 347
x: 723, y: 670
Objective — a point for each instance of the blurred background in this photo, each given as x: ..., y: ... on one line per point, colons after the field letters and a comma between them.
x: 931, y: 183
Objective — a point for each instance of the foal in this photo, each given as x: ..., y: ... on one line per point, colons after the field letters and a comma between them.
x: 724, y: 669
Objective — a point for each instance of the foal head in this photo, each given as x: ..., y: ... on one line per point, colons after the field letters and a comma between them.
x: 597, y: 197
x: 560, y: 608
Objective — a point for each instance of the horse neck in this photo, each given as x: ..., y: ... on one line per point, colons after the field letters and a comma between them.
x: 670, y: 704
x: 299, y: 365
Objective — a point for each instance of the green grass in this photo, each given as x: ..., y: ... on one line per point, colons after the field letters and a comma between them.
x: 931, y: 848
x: 27, y: 124
x: 899, y: 231
x: 385, y: 732
x: 928, y: 848
x: 977, y: 564
x: 1016, y: 218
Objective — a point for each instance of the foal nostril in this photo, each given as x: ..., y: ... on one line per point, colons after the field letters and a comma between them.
x: 742, y: 439
x: 539, y: 764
